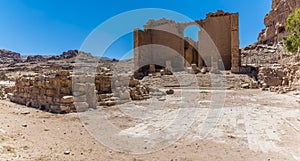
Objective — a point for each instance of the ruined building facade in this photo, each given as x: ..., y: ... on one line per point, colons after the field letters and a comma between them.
x: 163, y: 43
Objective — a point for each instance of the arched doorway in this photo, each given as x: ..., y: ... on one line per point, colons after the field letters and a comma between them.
x: 191, y: 55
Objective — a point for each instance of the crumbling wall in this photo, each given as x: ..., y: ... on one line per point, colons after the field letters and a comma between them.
x: 56, y: 92
x: 222, y: 27
x: 50, y: 92
x: 66, y: 91
x: 157, y: 47
x: 218, y: 27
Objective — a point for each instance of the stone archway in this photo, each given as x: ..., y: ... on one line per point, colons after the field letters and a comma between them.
x: 191, y: 44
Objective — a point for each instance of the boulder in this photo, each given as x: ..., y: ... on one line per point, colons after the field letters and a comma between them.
x: 67, y: 99
x: 170, y: 91
x: 245, y: 85
x: 81, y: 106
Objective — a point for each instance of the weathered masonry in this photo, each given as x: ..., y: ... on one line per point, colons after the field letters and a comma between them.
x: 162, y: 43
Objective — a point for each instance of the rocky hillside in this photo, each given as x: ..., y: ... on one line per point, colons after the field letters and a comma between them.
x: 261, y: 54
x: 65, y: 55
x: 275, y: 21
x: 9, y: 57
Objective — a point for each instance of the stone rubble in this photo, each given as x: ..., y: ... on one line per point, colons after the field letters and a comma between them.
x: 6, y: 90
x: 280, y: 78
x: 259, y: 54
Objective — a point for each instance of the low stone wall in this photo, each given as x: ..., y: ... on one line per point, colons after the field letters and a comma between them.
x: 65, y: 91
x: 51, y: 92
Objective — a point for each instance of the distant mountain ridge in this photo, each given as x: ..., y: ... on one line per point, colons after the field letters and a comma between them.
x: 10, y: 57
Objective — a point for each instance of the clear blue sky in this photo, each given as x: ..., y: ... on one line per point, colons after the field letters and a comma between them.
x: 54, y: 26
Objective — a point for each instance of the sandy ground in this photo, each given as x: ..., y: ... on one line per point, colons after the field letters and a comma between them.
x: 253, y: 125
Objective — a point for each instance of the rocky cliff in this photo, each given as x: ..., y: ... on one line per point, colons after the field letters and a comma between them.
x: 9, y: 57
x: 275, y: 21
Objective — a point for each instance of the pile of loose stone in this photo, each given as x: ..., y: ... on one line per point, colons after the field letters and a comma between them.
x: 4, y: 92
x: 6, y: 89
x: 279, y: 78
x: 277, y: 71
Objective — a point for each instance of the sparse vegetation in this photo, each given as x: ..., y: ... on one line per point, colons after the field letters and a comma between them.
x: 292, y: 42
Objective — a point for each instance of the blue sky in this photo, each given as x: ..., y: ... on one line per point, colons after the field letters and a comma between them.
x: 53, y: 26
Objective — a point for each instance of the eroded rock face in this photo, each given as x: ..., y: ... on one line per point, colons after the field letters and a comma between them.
x: 259, y: 54
x: 9, y: 57
x: 65, y: 55
x: 275, y: 21
x: 69, y: 54
x: 35, y: 58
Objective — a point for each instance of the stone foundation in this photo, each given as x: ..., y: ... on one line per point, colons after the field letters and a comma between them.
x: 66, y: 91
x: 50, y: 92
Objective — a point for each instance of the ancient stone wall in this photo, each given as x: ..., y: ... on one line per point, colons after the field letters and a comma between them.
x: 51, y: 92
x: 56, y: 93
x: 156, y: 47
x: 222, y: 28
x: 66, y: 91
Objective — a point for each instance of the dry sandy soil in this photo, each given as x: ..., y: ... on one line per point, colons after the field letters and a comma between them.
x: 252, y: 125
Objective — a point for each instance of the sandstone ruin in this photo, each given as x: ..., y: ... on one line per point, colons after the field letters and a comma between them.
x: 256, y: 97
x: 64, y: 89
x: 222, y: 27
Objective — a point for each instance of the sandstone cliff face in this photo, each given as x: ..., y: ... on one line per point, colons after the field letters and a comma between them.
x: 9, y: 57
x: 275, y: 21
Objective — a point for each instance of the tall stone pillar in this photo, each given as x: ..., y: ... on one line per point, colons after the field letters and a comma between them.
x: 169, y: 65
x: 200, y: 59
x: 235, y: 53
x: 152, y: 68
x: 136, y: 48
x: 214, y: 64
